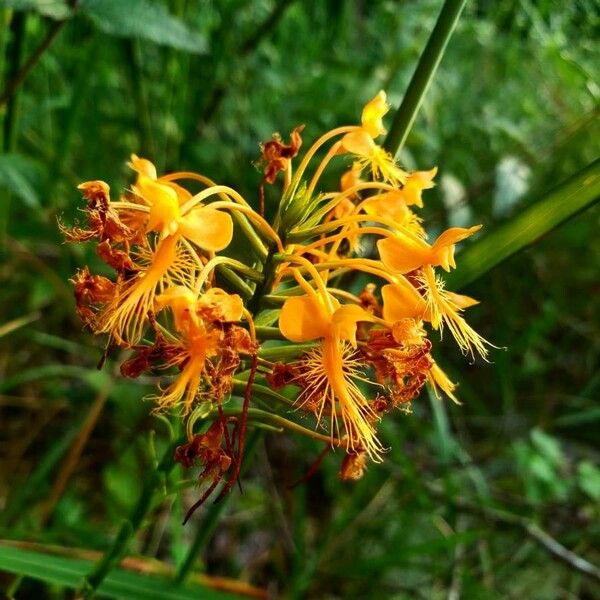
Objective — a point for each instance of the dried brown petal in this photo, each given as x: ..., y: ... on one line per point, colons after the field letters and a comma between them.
x: 353, y: 466
x: 281, y: 375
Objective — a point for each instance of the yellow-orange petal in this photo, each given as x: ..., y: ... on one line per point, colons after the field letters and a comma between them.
x: 402, y: 301
x: 142, y: 166
x: 460, y: 301
x: 390, y: 205
x: 208, y: 228
x: 415, y: 184
x: 164, y: 206
x: 443, y: 247
x: 304, y: 318
x: 351, y: 177
x: 373, y: 113
x: 181, y: 300
x: 344, y: 321
x: 358, y: 142
x: 229, y: 306
x: 403, y: 253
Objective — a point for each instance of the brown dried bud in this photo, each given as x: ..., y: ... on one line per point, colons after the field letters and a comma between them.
x: 281, y: 375
x: 117, y: 259
x: 353, y: 466
x: 275, y: 154
x: 368, y: 300
x: 91, y: 292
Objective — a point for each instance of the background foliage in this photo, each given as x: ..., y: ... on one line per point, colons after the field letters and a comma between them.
x: 458, y: 506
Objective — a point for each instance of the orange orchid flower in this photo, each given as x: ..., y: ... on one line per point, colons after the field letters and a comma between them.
x: 201, y: 340
x: 406, y: 252
x: 330, y: 370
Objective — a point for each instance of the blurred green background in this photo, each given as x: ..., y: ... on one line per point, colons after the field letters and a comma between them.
x: 471, y: 498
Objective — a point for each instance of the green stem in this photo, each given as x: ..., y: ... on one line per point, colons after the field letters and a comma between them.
x: 285, y: 352
x: 262, y: 391
x: 269, y: 333
x: 14, y: 55
x: 235, y: 281
x: 257, y: 244
x: 426, y: 68
x: 262, y: 416
x: 20, y: 74
x: 128, y: 529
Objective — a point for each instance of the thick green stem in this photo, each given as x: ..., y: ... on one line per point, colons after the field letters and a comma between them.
x: 426, y: 68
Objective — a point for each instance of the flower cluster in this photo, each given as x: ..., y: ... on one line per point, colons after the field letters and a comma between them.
x: 235, y: 339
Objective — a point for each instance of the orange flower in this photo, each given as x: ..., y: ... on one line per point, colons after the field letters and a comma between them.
x: 360, y: 143
x: 406, y: 252
x: 330, y: 372
x: 198, y: 322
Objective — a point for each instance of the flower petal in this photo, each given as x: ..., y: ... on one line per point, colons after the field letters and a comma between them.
x: 142, y: 166
x: 404, y: 253
x: 443, y: 247
x: 229, y: 306
x: 304, y: 318
x: 401, y: 300
x: 372, y: 115
x: 359, y: 142
x: 164, y: 206
x: 344, y: 321
x: 208, y: 228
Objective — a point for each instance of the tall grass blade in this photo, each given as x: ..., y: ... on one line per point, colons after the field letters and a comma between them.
x: 121, y: 584
x: 566, y: 200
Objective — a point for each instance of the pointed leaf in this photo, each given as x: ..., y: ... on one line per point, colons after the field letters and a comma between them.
x: 145, y: 19
x: 566, y: 200
x: 125, y: 585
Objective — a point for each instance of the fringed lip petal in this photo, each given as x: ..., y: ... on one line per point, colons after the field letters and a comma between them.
x: 208, y: 228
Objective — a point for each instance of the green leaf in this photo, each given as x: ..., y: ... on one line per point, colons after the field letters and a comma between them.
x: 55, y: 9
x: 20, y: 176
x: 144, y: 19
x: 121, y: 584
x: 588, y: 475
x: 566, y: 200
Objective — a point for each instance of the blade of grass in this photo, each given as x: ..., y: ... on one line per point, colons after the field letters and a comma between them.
x: 426, y: 68
x: 126, y: 585
x: 563, y: 202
